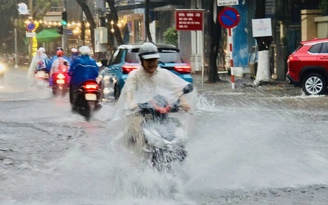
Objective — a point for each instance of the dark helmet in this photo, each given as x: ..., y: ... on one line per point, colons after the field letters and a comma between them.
x: 148, y: 51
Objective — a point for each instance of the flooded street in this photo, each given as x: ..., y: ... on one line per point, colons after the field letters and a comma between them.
x: 250, y: 146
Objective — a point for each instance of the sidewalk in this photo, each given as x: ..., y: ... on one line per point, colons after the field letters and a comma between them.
x: 243, y: 84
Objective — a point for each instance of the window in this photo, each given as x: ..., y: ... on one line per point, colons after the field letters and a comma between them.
x: 169, y: 56
x: 132, y: 56
x: 117, y: 56
x: 324, y: 48
x: 315, y: 48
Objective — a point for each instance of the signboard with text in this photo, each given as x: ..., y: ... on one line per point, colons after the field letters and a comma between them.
x: 30, y: 34
x: 189, y: 20
x: 227, y: 2
x: 261, y: 27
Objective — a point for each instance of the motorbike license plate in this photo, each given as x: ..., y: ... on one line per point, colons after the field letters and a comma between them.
x: 41, y: 74
x: 90, y: 96
x: 60, y: 81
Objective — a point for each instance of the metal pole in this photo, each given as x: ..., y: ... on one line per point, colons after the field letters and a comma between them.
x: 203, y: 50
x: 16, y: 66
x: 231, y: 59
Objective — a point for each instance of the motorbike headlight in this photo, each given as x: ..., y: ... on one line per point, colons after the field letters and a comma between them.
x: 2, y: 67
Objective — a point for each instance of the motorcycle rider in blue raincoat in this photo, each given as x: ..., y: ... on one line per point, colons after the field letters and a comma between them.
x: 82, y: 69
x: 74, y: 55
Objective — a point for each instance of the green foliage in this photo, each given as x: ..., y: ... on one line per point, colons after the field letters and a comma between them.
x: 171, y: 36
x: 323, y: 5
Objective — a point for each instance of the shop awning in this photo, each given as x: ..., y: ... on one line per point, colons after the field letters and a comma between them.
x: 48, y: 35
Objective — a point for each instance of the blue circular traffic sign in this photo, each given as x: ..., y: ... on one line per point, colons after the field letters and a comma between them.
x: 229, y: 17
x: 30, y: 26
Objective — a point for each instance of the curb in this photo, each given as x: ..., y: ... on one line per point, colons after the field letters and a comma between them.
x: 245, y: 80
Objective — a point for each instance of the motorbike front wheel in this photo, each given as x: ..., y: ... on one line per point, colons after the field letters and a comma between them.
x: 162, y: 158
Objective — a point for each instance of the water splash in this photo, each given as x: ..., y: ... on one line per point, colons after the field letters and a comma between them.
x: 204, y: 104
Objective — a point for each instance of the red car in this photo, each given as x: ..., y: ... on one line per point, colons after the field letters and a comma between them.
x: 308, y: 66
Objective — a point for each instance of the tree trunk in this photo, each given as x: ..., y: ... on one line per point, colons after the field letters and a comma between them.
x: 148, y: 34
x: 259, y: 11
x: 88, y: 14
x: 114, y: 17
x: 215, y: 37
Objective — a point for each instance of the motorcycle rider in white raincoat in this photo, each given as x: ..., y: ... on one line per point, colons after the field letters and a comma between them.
x: 142, y: 84
x: 39, y: 61
x: 60, y: 64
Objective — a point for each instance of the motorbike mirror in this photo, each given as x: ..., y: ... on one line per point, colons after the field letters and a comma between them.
x: 99, y: 64
x: 187, y: 89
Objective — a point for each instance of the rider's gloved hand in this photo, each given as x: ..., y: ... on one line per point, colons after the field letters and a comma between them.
x: 184, y: 104
x: 162, y: 109
x: 185, y: 107
x: 133, y: 106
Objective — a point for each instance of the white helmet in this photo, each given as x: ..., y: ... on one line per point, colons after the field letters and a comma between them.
x: 74, y: 50
x: 41, y: 49
x: 148, y: 51
x: 84, y: 50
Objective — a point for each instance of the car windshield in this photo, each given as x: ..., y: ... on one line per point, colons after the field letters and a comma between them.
x: 166, y: 56
x: 132, y: 57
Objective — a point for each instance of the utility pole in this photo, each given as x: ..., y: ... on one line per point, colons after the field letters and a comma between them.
x: 30, y: 50
x: 15, y: 31
x: 64, y: 35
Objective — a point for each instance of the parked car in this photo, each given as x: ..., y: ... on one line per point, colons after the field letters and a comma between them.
x: 308, y: 66
x: 125, y: 59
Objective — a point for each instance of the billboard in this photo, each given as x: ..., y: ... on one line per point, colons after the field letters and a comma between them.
x: 189, y: 20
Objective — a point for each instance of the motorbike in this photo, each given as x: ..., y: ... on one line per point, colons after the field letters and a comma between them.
x: 162, y: 132
x: 41, y: 78
x: 60, y: 83
x: 2, y: 70
x: 87, y: 98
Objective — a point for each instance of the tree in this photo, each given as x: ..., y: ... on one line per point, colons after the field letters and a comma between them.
x: 40, y: 7
x: 215, y: 36
x: 171, y: 36
x: 8, y: 12
x: 114, y: 17
x: 147, y: 30
x: 324, y: 7
x: 85, y: 8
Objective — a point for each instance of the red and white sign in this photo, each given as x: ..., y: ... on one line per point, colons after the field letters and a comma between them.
x: 189, y: 20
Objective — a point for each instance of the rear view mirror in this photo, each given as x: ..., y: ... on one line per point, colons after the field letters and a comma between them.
x: 104, y: 62
x: 187, y: 89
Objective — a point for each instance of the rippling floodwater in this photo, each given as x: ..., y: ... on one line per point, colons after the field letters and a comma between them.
x: 254, y: 147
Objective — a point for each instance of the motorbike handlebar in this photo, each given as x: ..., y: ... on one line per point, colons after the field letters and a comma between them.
x: 151, y: 106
